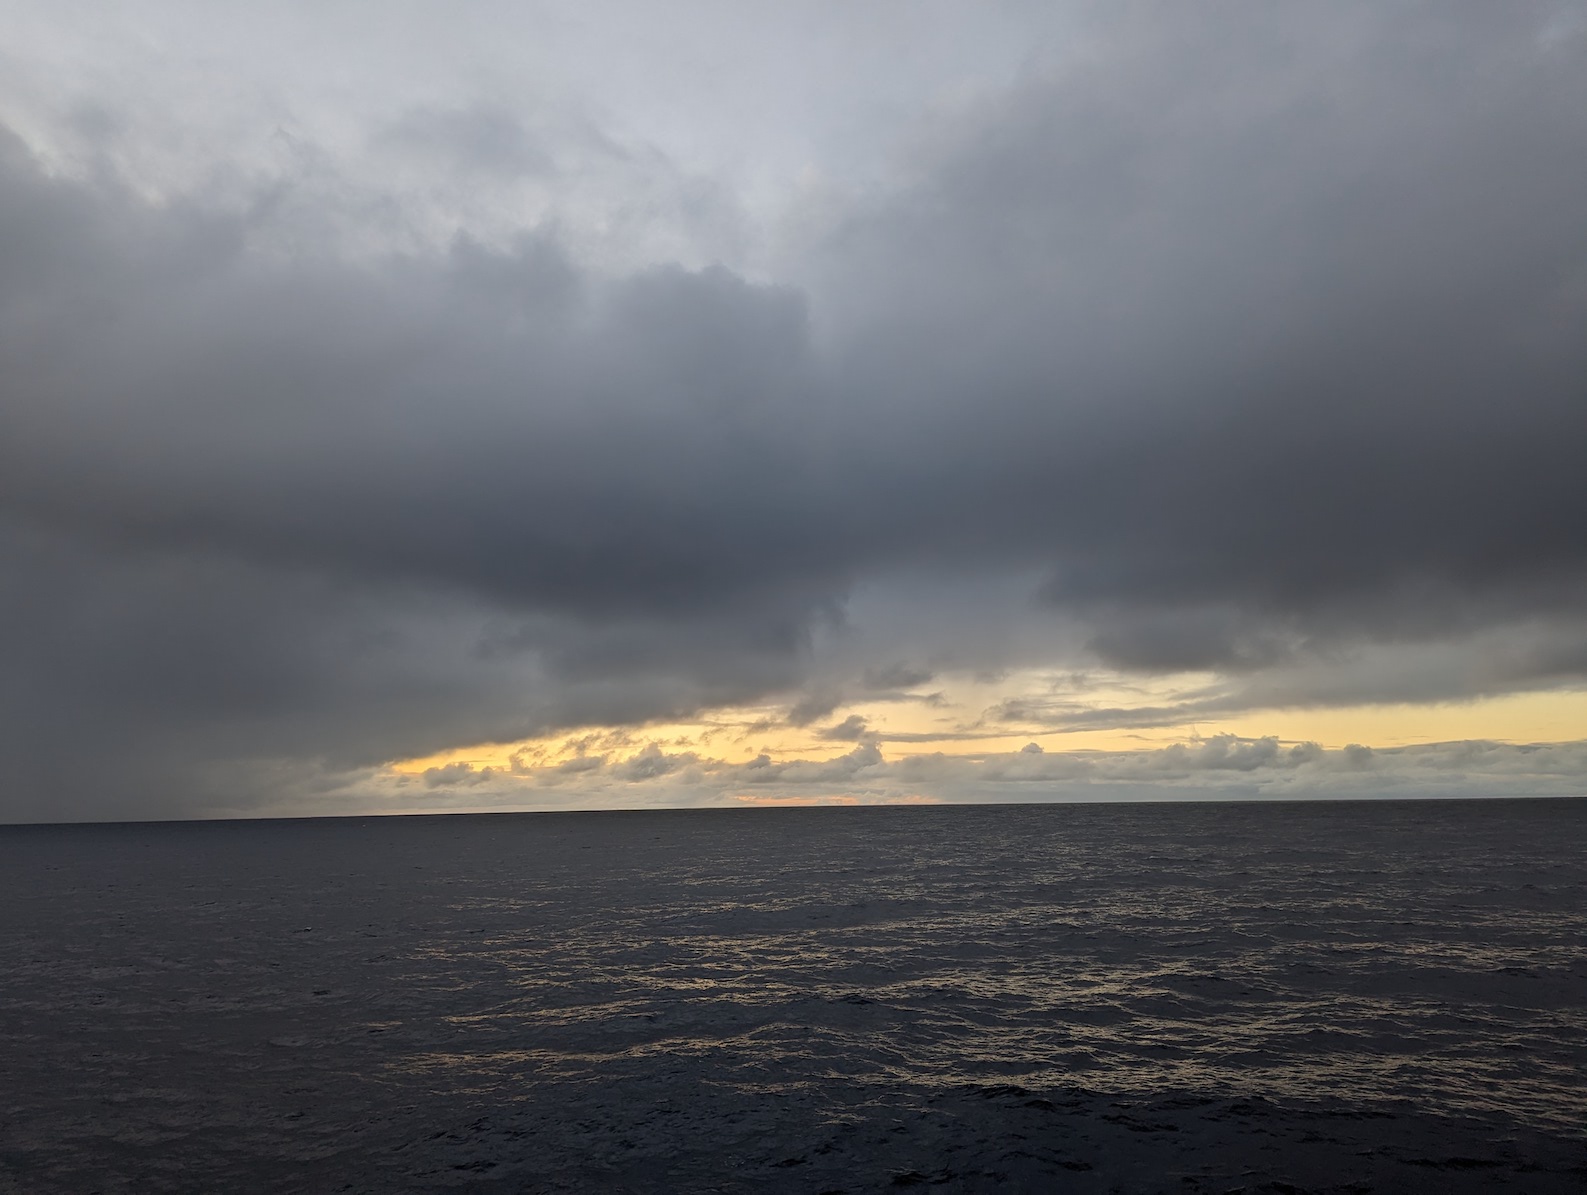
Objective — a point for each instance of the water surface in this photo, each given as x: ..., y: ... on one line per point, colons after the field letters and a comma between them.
x: 1355, y: 996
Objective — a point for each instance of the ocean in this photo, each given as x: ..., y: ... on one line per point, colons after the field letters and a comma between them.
x: 1341, y: 997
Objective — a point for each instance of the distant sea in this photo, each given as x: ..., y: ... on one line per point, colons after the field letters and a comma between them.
x: 1341, y: 997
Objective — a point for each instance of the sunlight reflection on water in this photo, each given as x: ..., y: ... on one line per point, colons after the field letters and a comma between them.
x: 1232, y: 950
x: 1400, y: 955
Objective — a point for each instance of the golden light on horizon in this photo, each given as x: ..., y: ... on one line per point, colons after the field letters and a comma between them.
x: 956, y: 721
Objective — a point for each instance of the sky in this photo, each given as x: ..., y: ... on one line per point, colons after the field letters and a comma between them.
x: 591, y: 404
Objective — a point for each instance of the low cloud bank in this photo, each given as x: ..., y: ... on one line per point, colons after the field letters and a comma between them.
x: 1223, y: 767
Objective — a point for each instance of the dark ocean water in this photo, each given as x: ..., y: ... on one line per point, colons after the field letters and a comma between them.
x: 1188, y: 998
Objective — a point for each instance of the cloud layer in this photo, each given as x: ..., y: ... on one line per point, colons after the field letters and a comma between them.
x: 1221, y: 767
x: 1241, y: 342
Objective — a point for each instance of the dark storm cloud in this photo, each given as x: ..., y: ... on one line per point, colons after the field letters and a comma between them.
x: 151, y: 683
x: 1259, y: 332
x: 476, y: 420
x: 1290, y: 331
x: 894, y: 676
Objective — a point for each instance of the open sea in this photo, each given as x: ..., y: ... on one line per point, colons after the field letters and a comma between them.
x: 1339, y: 997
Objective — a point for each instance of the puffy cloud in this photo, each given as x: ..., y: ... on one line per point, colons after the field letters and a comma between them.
x: 1221, y: 767
x: 452, y: 774
x: 652, y: 762
x: 852, y: 729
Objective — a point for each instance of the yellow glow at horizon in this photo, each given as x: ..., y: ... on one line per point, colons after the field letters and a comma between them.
x: 739, y: 735
x: 1553, y: 717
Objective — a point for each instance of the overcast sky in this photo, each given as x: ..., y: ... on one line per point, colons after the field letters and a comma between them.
x: 619, y: 403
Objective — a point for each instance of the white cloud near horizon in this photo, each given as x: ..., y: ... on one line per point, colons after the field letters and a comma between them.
x: 1222, y: 767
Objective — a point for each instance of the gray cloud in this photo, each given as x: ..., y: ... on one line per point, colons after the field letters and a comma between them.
x: 1223, y: 766
x: 1257, y: 334
x: 1508, y: 657
x: 1244, y: 321
x: 852, y: 729
x: 894, y: 677
x: 483, y: 139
